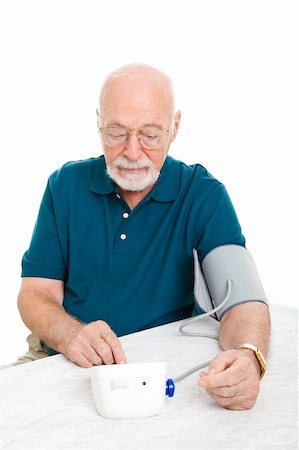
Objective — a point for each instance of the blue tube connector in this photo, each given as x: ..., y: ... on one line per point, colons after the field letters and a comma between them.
x: 170, y: 387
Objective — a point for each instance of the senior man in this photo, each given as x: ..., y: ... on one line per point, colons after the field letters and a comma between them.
x: 111, y: 252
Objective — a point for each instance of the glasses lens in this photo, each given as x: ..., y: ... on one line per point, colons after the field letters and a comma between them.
x: 151, y: 136
x: 115, y: 136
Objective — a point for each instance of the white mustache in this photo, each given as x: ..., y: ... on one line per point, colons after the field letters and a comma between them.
x: 123, y: 163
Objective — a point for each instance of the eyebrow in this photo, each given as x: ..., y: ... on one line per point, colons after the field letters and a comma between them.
x: 149, y: 124
x: 115, y: 124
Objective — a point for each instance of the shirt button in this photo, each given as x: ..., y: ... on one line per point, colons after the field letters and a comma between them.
x: 123, y: 236
x: 125, y: 215
x: 117, y: 195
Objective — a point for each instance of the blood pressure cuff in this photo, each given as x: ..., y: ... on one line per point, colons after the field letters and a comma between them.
x: 223, y: 263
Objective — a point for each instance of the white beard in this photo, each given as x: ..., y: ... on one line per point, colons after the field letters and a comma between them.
x: 130, y: 181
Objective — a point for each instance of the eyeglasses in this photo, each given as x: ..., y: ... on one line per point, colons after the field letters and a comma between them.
x: 149, y: 136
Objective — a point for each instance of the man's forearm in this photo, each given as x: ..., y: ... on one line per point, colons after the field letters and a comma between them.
x: 246, y: 323
x: 40, y: 304
x: 46, y: 318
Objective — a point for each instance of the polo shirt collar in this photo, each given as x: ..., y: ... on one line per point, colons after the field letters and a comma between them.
x: 167, y: 187
x: 101, y: 182
x: 165, y: 190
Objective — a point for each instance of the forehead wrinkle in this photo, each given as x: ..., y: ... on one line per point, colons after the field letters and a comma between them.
x: 135, y: 95
x: 114, y: 123
x: 138, y: 81
x: 134, y: 112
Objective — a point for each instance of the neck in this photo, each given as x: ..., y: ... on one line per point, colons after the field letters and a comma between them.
x: 134, y: 197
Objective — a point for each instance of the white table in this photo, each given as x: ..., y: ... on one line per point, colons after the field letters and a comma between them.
x: 47, y: 404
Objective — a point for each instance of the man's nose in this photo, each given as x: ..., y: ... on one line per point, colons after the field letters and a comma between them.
x: 133, y: 149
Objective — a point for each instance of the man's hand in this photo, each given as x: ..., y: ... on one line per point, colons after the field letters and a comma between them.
x: 232, y: 379
x: 93, y: 344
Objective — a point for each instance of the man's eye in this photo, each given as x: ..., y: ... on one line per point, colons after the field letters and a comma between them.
x: 151, y: 136
x: 150, y: 133
x: 115, y: 136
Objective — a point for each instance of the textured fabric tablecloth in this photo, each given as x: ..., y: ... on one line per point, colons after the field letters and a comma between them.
x: 47, y: 404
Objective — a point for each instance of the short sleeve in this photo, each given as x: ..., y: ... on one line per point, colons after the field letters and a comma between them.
x: 221, y: 224
x: 44, y: 258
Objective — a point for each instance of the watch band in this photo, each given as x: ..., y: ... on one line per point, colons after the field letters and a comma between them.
x: 259, y: 356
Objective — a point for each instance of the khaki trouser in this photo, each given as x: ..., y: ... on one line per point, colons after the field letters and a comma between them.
x: 35, y: 352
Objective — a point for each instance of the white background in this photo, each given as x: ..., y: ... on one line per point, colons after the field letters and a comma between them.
x: 234, y: 65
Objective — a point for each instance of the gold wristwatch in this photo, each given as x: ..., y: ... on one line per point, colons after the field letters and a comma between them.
x: 258, y: 355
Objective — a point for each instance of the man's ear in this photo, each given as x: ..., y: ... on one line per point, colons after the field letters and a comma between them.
x: 98, y: 117
x: 177, y: 119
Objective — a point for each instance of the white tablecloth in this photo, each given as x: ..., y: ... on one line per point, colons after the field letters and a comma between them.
x: 47, y: 404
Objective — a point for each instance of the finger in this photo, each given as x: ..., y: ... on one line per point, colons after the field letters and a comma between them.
x: 246, y: 389
x: 222, y: 361
x: 92, y: 355
x: 203, y: 374
x: 112, y: 340
x: 229, y: 391
x: 102, y: 349
x: 225, y: 402
x: 79, y: 359
x: 230, y: 376
x: 239, y: 402
x: 95, y: 347
x: 81, y: 352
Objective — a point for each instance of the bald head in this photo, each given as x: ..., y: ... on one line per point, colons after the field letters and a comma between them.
x: 133, y: 82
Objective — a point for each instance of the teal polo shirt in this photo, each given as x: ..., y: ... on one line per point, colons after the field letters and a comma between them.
x: 130, y: 268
